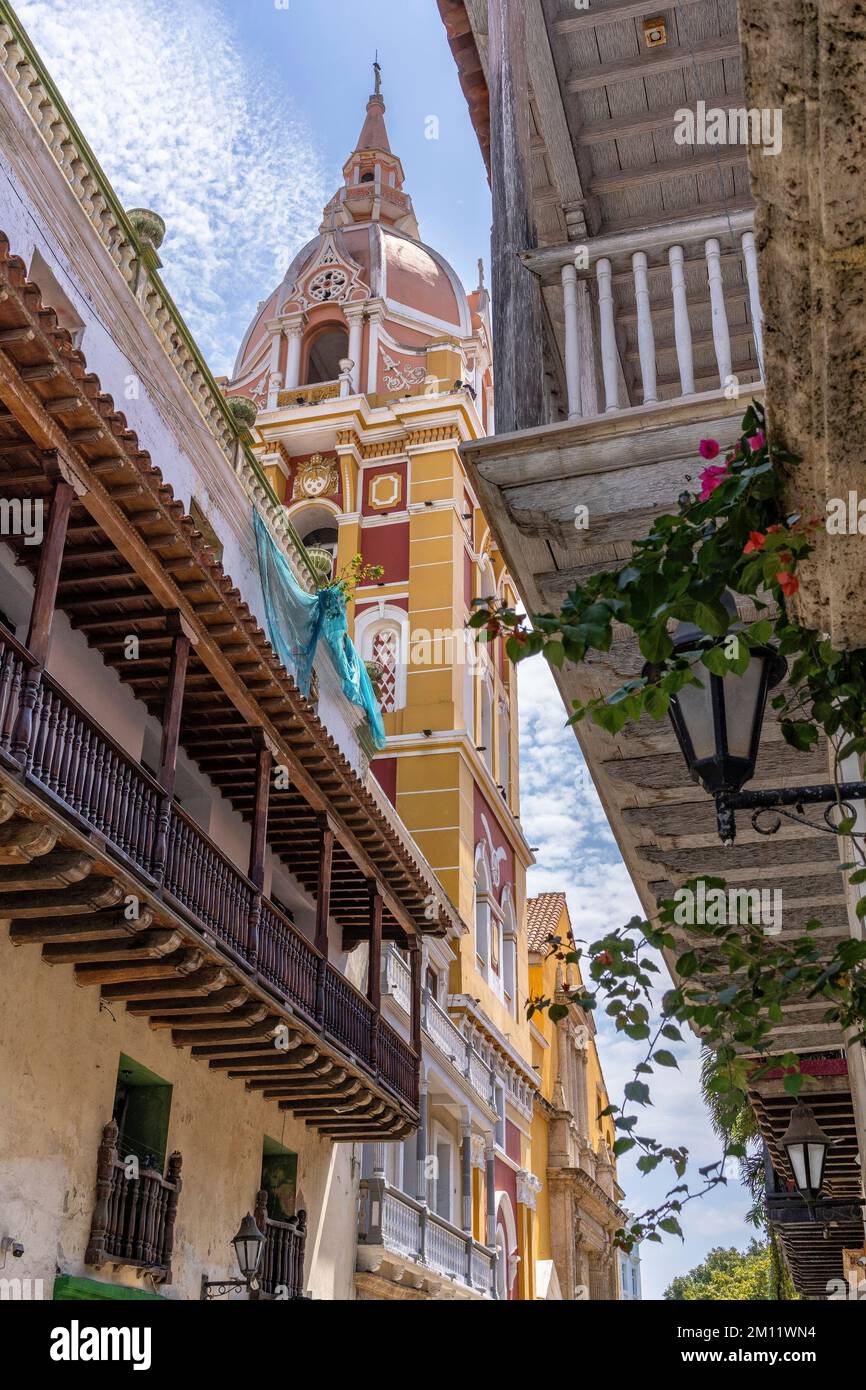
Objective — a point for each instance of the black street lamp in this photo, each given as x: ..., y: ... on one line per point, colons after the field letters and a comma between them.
x: 718, y: 729
x: 249, y: 1244
x: 806, y: 1145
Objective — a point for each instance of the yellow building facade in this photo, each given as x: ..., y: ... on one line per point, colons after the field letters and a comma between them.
x: 578, y: 1208
x: 370, y: 367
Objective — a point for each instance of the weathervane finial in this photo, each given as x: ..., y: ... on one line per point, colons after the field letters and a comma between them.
x: 377, y: 75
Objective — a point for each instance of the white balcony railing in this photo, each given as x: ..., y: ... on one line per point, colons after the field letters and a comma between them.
x: 406, y: 1227
x: 438, y: 1026
x: 658, y: 314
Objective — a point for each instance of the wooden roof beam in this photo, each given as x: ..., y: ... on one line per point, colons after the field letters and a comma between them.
x: 614, y: 12
x: 653, y: 62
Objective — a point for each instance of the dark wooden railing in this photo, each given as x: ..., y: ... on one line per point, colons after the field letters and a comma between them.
x: 281, y: 1273
x: 200, y: 877
x: 135, y: 1212
x: 286, y: 959
x: 348, y: 1015
x: 82, y: 767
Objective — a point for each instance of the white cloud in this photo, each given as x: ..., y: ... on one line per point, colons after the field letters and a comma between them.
x: 183, y: 123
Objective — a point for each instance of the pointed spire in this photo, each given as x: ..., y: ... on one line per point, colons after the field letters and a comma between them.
x: 374, y: 136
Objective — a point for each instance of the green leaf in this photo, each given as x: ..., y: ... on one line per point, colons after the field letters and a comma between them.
x: 622, y: 1146
x: 799, y: 734
x: 665, y: 1059
x: 638, y: 1091
x: 794, y: 1083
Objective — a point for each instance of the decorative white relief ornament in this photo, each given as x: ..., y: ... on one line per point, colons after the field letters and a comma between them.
x: 399, y: 375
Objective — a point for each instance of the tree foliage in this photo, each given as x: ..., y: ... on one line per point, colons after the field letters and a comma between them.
x: 729, y: 1275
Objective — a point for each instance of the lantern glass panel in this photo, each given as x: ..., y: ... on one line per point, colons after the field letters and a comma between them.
x: 696, y: 711
x: 742, y: 701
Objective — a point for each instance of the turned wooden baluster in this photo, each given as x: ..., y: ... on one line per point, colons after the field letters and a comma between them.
x: 175, y: 1163
x: 105, y: 1161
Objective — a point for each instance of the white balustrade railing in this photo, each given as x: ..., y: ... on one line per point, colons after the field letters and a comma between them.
x: 407, y: 1227
x: 401, y: 1225
x: 398, y: 979
x: 445, y: 1035
x: 438, y: 1026
x: 664, y: 299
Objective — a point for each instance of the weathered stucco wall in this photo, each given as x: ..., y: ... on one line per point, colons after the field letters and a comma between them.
x: 58, y: 1066
x: 807, y: 58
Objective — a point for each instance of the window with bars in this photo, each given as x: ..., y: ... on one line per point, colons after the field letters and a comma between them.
x: 386, y: 655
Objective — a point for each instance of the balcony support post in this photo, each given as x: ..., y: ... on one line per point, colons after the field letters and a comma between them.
x: 42, y: 611
x: 181, y: 647
x: 323, y: 909
x: 466, y: 1175
x: 490, y: 1193
x: 258, y: 839
x: 416, y: 1012
x: 374, y: 970
x: 421, y: 1141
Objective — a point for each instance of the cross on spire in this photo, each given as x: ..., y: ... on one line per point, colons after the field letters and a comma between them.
x: 377, y: 76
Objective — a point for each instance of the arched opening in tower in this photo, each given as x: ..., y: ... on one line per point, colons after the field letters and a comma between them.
x: 326, y: 351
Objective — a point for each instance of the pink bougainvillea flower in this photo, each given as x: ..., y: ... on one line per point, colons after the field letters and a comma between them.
x: 788, y: 583
x: 756, y: 441
x: 711, y: 478
x: 755, y: 542
x: 708, y: 448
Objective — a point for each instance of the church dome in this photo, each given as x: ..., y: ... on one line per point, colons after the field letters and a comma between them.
x: 365, y: 290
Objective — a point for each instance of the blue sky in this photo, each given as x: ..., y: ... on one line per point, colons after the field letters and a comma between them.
x: 233, y: 121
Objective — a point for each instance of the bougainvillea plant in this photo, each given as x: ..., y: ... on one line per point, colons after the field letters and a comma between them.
x: 733, y: 535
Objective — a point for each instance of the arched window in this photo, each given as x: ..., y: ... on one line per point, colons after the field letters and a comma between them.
x: 504, y: 749
x: 486, y: 739
x: 470, y: 660
x: 325, y: 351
x: 381, y: 636
x: 509, y: 953
x: 482, y: 910
x: 317, y: 528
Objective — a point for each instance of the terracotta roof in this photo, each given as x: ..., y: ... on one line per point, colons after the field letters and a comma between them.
x: 542, y: 918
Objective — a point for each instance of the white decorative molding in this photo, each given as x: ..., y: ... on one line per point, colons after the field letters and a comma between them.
x: 528, y: 1188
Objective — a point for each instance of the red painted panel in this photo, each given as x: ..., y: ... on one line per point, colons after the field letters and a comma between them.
x: 400, y: 469
x: 484, y: 813
x: 385, y: 772
x: 387, y: 546
x: 512, y: 1141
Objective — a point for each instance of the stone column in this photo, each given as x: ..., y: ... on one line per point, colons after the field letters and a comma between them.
x: 294, y: 333
x: 275, y: 328
x: 490, y: 1191
x: 355, y: 319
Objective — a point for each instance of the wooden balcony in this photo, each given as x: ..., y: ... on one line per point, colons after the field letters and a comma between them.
x: 281, y: 1273
x: 78, y: 772
x: 135, y: 1212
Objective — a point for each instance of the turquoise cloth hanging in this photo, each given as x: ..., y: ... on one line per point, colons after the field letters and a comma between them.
x: 296, y: 622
